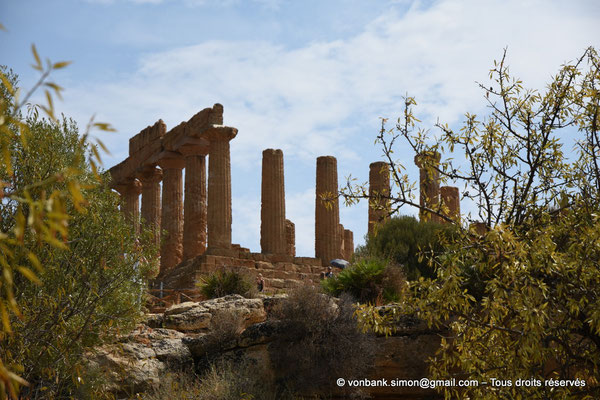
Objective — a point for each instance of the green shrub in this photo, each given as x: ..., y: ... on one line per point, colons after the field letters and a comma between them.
x: 223, y: 283
x: 367, y: 280
x: 320, y: 342
x: 407, y: 242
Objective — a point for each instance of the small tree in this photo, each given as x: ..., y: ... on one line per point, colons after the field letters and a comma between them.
x: 535, y: 311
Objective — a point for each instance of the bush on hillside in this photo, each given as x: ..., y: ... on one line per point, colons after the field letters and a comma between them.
x: 320, y: 343
x: 368, y: 280
x: 223, y: 283
x: 410, y: 243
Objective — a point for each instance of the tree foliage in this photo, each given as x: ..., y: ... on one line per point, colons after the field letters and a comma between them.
x: 405, y: 241
x: 65, y: 283
x: 521, y: 301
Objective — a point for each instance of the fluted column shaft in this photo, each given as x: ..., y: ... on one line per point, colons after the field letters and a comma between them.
x: 450, y: 200
x: 379, y: 191
x: 130, y: 204
x: 219, y: 194
x: 194, y: 226
x: 429, y: 184
x: 290, y: 235
x: 272, y: 211
x: 171, y: 251
x: 150, y: 179
x: 348, y: 244
x: 327, y: 217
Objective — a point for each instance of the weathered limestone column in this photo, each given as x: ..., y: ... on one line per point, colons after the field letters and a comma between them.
x: 348, y: 244
x: 342, y: 251
x: 290, y: 236
x: 150, y: 178
x: 130, y: 205
x: 429, y: 184
x: 219, y: 189
x: 327, y: 217
x: 171, y: 251
x: 379, y: 191
x: 450, y: 200
x: 195, y: 212
x: 272, y: 211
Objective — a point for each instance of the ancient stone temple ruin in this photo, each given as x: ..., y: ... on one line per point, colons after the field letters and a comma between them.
x: 192, y: 220
x: 444, y: 200
x: 195, y: 217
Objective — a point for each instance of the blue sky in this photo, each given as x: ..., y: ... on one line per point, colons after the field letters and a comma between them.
x: 309, y: 77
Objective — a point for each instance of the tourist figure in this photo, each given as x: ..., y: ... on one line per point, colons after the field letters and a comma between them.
x: 329, y: 273
x: 260, y: 282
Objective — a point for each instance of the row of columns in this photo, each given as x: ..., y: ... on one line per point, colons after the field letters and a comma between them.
x: 207, y: 212
x: 445, y: 199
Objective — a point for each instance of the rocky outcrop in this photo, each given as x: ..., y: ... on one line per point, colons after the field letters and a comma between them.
x: 191, y: 332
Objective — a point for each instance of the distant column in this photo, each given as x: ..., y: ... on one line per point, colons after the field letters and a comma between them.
x: 150, y: 178
x: 130, y: 204
x: 171, y: 251
x: 348, y: 244
x: 219, y: 189
x: 429, y: 184
x: 290, y: 236
x: 450, y: 200
x: 195, y: 210
x: 272, y: 211
x: 327, y: 217
x: 379, y: 192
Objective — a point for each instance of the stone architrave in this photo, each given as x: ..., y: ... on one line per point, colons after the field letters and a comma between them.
x: 379, y: 192
x: 348, y: 244
x: 150, y: 178
x: 171, y: 251
x: 130, y: 204
x: 195, y: 209
x: 450, y: 199
x: 272, y: 211
x: 327, y: 217
x: 219, y: 189
x: 429, y: 184
x: 290, y: 236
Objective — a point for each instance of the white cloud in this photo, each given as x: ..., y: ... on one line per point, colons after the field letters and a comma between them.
x: 324, y: 97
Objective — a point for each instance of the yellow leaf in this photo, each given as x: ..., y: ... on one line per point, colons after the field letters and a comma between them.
x: 5, y: 319
x: 27, y: 273
x: 61, y: 64
x: 35, y: 261
x: 38, y: 65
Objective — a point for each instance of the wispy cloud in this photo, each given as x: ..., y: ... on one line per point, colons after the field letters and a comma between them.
x: 321, y: 98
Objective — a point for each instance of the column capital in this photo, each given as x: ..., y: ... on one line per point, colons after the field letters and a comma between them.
x: 171, y: 160
x: 220, y: 133
x: 149, y: 175
x: 130, y: 185
x: 427, y: 159
x: 190, y: 150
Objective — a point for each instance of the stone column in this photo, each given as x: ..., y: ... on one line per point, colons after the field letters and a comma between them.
x: 429, y: 184
x: 272, y: 211
x: 348, y: 244
x: 195, y: 212
x: 379, y: 191
x: 219, y: 189
x: 450, y: 200
x: 150, y: 178
x: 342, y: 251
x: 130, y: 205
x: 327, y: 217
x: 290, y: 236
x: 171, y: 251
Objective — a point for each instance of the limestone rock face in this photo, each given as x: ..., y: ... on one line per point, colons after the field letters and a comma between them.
x: 136, y: 363
x: 196, y: 317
